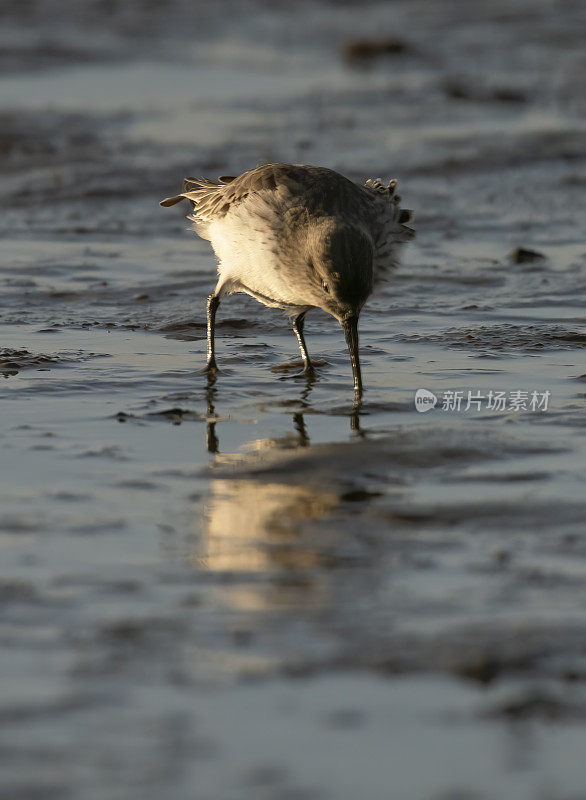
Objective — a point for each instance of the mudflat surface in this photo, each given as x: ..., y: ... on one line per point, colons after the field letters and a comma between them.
x: 247, y: 590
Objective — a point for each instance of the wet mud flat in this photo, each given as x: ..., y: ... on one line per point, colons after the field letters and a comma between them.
x: 247, y: 589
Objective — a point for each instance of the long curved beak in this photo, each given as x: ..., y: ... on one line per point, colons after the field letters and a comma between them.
x: 350, y: 325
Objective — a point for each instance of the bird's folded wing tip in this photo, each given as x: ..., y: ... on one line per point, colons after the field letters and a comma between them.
x: 171, y: 201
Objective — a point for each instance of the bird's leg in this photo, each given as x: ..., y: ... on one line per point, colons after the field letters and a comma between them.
x: 350, y: 325
x: 211, y: 435
x: 212, y: 307
x: 298, y: 324
x: 299, y: 423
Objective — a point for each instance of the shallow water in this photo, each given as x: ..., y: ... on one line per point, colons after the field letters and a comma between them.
x: 247, y: 589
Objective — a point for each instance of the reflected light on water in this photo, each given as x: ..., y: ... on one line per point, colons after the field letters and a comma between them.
x: 253, y: 526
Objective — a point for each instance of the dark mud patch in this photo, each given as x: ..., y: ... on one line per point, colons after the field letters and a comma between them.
x: 14, y: 525
x: 505, y: 477
x: 139, y: 485
x: 73, y: 173
x: 191, y: 329
x: 120, y: 646
x: 498, y: 340
x: 32, y: 136
x: 173, y: 415
x: 187, y: 330
x: 457, y: 89
x: 482, y: 656
x: 46, y: 54
x: 296, y: 368
x: 14, y: 361
x: 364, y: 51
x: 505, y: 514
x: 109, y: 452
x: 369, y: 408
x: 17, y: 591
x: 538, y: 704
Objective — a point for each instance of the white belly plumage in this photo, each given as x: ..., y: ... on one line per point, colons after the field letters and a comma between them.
x: 248, y: 261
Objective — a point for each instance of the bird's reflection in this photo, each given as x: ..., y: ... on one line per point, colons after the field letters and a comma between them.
x: 212, y: 443
x: 266, y: 524
x: 299, y: 424
x: 301, y: 428
x: 251, y: 525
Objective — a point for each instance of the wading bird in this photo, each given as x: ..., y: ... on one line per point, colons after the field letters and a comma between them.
x: 298, y: 237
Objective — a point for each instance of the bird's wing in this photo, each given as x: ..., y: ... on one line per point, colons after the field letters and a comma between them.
x: 323, y: 191
x: 213, y: 199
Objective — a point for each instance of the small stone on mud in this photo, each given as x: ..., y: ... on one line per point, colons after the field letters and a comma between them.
x: 483, y: 669
x: 458, y: 90
x: 523, y: 255
x: 536, y: 704
x: 358, y: 495
x: 368, y: 49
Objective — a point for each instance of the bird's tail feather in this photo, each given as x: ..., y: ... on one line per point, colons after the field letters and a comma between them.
x: 195, y: 189
x: 400, y: 215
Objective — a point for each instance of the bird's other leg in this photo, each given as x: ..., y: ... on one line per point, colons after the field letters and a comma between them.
x: 298, y: 324
x: 212, y: 307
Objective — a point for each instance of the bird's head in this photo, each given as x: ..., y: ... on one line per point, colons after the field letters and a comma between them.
x: 340, y: 262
